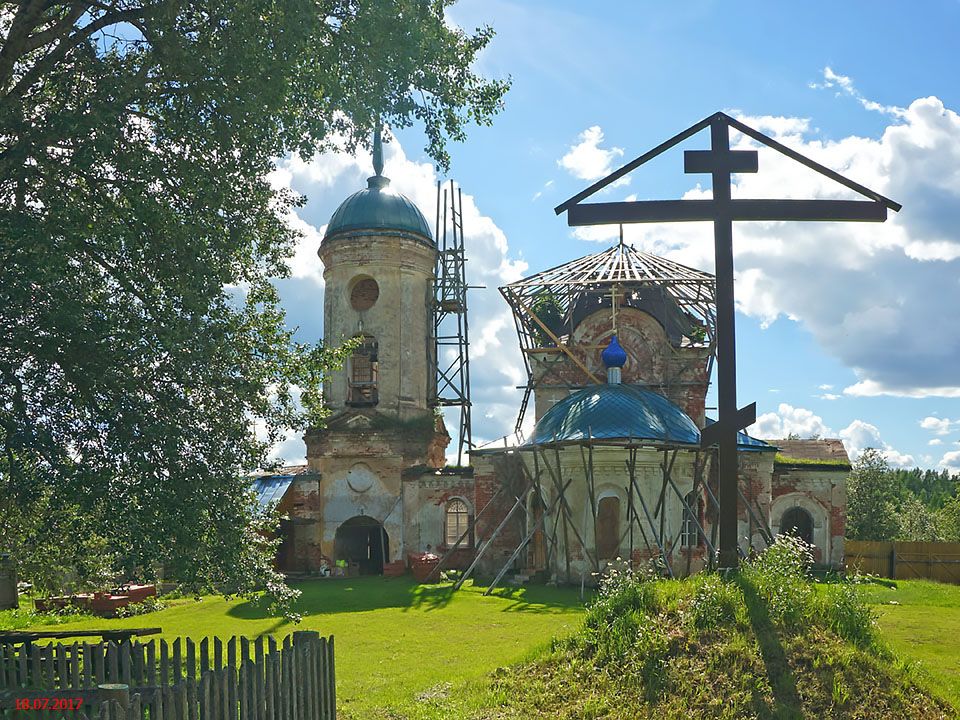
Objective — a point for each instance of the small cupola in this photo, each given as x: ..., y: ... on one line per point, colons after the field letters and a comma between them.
x: 614, y: 357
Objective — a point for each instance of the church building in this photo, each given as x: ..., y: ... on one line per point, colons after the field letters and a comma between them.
x: 618, y: 348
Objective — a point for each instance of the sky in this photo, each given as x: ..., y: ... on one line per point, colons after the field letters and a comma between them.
x: 848, y: 330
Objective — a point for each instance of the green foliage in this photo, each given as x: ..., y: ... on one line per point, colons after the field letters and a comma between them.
x: 767, y: 642
x: 948, y: 520
x: 843, y: 608
x: 917, y: 522
x: 548, y: 309
x: 149, y: 605
x: 780, y: 458
x: 716, y: 603
x: 932, y: 487
x: 871, y: 499
x: 141, y: 335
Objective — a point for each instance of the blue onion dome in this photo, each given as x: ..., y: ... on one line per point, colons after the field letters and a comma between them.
x: 378, y: 209
x: 614, y: 355
x: 616, y: 412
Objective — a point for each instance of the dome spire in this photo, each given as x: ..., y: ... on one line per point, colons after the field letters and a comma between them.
x: 378, y: 180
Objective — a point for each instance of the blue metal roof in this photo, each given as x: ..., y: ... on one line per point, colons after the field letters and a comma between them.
x: 270, y: 488
x: 377, y: 208
x: 615, y: 411
x: 747, y: 443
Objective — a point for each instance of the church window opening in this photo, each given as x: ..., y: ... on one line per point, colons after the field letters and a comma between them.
x: 690, y: 532
x: 797, y: 522
x: 364, y: 293
x: 457, y: 523
x: 363, y: 374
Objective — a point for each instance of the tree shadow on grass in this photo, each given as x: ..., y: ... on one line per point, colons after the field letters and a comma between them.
x: 787, y: 705
x: 322, y: 597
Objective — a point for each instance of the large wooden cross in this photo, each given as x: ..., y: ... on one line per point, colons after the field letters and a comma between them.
x: 721, y: 163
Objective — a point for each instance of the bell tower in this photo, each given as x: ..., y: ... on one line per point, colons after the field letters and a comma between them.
x: 379, y: 256
x: 379, y: 260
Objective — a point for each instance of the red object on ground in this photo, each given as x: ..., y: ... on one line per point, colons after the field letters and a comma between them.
x: 422, y: 564
x: 394, y: 569
x: 103, y: 604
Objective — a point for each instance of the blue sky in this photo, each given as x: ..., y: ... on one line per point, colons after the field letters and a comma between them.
x: 846, y: 331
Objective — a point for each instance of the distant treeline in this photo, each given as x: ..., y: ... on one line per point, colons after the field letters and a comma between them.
x: 894, y: 504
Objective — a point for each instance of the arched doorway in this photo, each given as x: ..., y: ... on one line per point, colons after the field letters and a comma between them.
x: 608, y: 528
x: 797, y: 521
x: 362, y: 540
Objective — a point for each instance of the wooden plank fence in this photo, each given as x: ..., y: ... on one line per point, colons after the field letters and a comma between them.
x: 238, y: 679
x: 905, y: 560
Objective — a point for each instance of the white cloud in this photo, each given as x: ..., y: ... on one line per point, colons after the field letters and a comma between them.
x: 877, y: 297
x: 844, y: 86
x: 825, y: 387
x: 789, y: 420
x: 539, y: 193
x: 872, y: 388
x: 860, y: 435
x: 939, y: 426
x: 496, y: 365
x: 829, y: 396
x: 586, y: 160
x: 951, y: 460
x: 935, y: 441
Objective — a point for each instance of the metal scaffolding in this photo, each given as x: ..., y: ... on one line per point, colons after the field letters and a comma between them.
x: 450, y: 354
x: 547, y: 306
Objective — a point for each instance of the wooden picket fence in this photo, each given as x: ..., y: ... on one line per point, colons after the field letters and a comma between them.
x: 211, y: 679
x: 905, y: 560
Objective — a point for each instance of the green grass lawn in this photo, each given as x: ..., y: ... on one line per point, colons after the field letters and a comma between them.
x: 400, y: 644
x: 397, y: 643
x: 920, y: 620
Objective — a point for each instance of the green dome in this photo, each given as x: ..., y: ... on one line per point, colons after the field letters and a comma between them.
x: 377, y: 209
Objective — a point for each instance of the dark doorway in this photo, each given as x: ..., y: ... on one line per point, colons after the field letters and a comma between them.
x: 797, y: 521
x: 362, y: 540
x: 285, y: 554
x: 608, y: 528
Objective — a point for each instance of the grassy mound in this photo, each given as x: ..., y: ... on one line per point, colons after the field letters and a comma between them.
x: 764, y: 643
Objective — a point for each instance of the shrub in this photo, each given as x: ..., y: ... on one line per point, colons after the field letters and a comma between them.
x: 842, y: 608
x: 148, y: 605
x: 780, y: 578
x: 716, y: 603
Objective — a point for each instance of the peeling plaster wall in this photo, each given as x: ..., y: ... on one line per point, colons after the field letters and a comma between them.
x: 754, y: 471
x: 403, y: 269
x: 301, y: 503
x: 611, y: 479
x: 425, y: 500
x: 821, y: 491
x: 679, y: 373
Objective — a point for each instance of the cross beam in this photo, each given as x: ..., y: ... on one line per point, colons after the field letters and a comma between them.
x: 721, y: 163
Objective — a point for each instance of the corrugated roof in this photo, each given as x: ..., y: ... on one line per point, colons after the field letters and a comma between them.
x: 270, y: 488
x: 825, y: 449
x: 748, y: 443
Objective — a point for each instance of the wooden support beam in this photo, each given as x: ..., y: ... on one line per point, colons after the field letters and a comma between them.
x: 523, y: 544
x: 471, y: 526
x: 488, y: 543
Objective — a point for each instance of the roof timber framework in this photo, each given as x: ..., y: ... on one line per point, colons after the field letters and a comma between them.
x: 613, y: 272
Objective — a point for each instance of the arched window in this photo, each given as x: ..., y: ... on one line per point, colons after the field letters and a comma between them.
x: 456, y: 523
x: 362, y: 389
x: 798, y: 522
x: 690, y: 535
